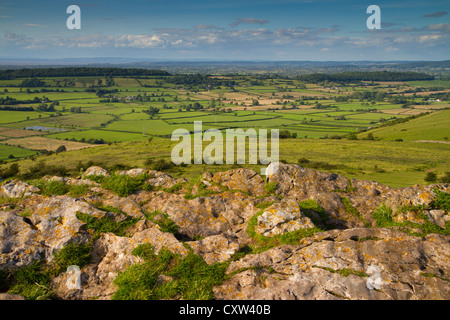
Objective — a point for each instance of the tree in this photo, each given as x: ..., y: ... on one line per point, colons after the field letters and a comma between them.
x: 445, y: 178
x: 430, y: 177
x: 61, y: 149
x: 12, y: 171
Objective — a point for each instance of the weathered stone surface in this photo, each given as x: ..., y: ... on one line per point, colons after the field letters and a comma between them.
x: 439, y: 217
x: 18, y: 241
x: 281, y: 217
x: 335, y: 265
x: 204, y: 216
x: 70, y: 181
x: 245, y: 180
x: 214, y: 249
x: 56, y: 222
x: 95, y: 171
x: 113, y: 254
x: 133, y: 172
x: 161, y: 179
x: 350, y: 261
x: 51, y: 224
x: 299, y: 183
x: 18, y: 189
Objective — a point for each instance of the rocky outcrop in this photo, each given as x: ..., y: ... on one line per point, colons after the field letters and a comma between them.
x: 345, y: 265
x: 311, y: 235
x: 281, y: 217
x: 17, y: 189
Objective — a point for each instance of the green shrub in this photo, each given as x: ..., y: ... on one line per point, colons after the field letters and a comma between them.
x: 271, y: 187
x: 123, y: 185
x: 441, y: 201
x: 41, y: 169
x: 430, y: 177
x: 78, y: 190
x: 188, y: 278
x: 445, y: 178
x: 383, y: 216
x: 56, y: 188
x: 12, y: 171
x: 72, y: 254
x: 32, y: 282
x: 163, y: 220
x: 106, y: 224
x: 161, y: 165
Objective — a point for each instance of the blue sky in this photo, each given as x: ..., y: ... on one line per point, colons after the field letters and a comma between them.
x: 226, y: 30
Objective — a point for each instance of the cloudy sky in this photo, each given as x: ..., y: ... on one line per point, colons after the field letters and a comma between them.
x: 226, y: 30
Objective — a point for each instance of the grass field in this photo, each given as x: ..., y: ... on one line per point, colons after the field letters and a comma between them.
x: 435, y: 126
x: 6, y: 152
x: 314, y: 112
x: 43, y: 143
x: 392, y: 163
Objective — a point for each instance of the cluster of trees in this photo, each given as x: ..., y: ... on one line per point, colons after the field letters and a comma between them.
x: 75, y: 109
x: 12, y: 101
x: 432, y: 177
x: 33, y: 83
x: 345, y: 77
x: 152, y: 111
x: 102, y: 92
x: 46, y: 107
x: 367, y: 95
x: 91, y: 141
x: 79, y: 72
x: 9, y: 108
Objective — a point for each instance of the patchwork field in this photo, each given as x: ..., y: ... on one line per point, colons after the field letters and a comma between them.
x: 365, y: 130
x: 43, y: 143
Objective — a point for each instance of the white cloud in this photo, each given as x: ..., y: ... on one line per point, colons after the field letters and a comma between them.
x: 429, y: 38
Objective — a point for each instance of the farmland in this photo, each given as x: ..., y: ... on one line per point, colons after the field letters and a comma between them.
x: 379, y: 130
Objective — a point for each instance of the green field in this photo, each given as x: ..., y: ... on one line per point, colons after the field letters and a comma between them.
x: 323, y: 121
x: 7, y: 151
x: 435, y: 126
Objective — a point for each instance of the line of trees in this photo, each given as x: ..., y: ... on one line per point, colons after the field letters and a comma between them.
x: 79, y: 72
x: 365, y: 76
x: 12, y: 101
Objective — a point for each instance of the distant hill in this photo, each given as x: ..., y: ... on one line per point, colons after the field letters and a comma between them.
x: 425, y: 64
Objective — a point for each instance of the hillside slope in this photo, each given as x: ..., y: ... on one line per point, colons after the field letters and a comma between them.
x: 434, y: 126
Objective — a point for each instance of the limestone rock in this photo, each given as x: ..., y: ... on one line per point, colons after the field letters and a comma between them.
x: 18, y: 241
x: 335, y: 265
x: 161, y: 179
x: 245, y: 180
x: 95, y: 171
x: 55, y: 221
x: 214, y: 249
x: 18, y: 189
x: 353, y: 259
x: 70, y: 181
x: 284, y: 216
x: 133, y: 172
x: 439, y: 217
x: 299, y: 183
x: 113, y: 254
